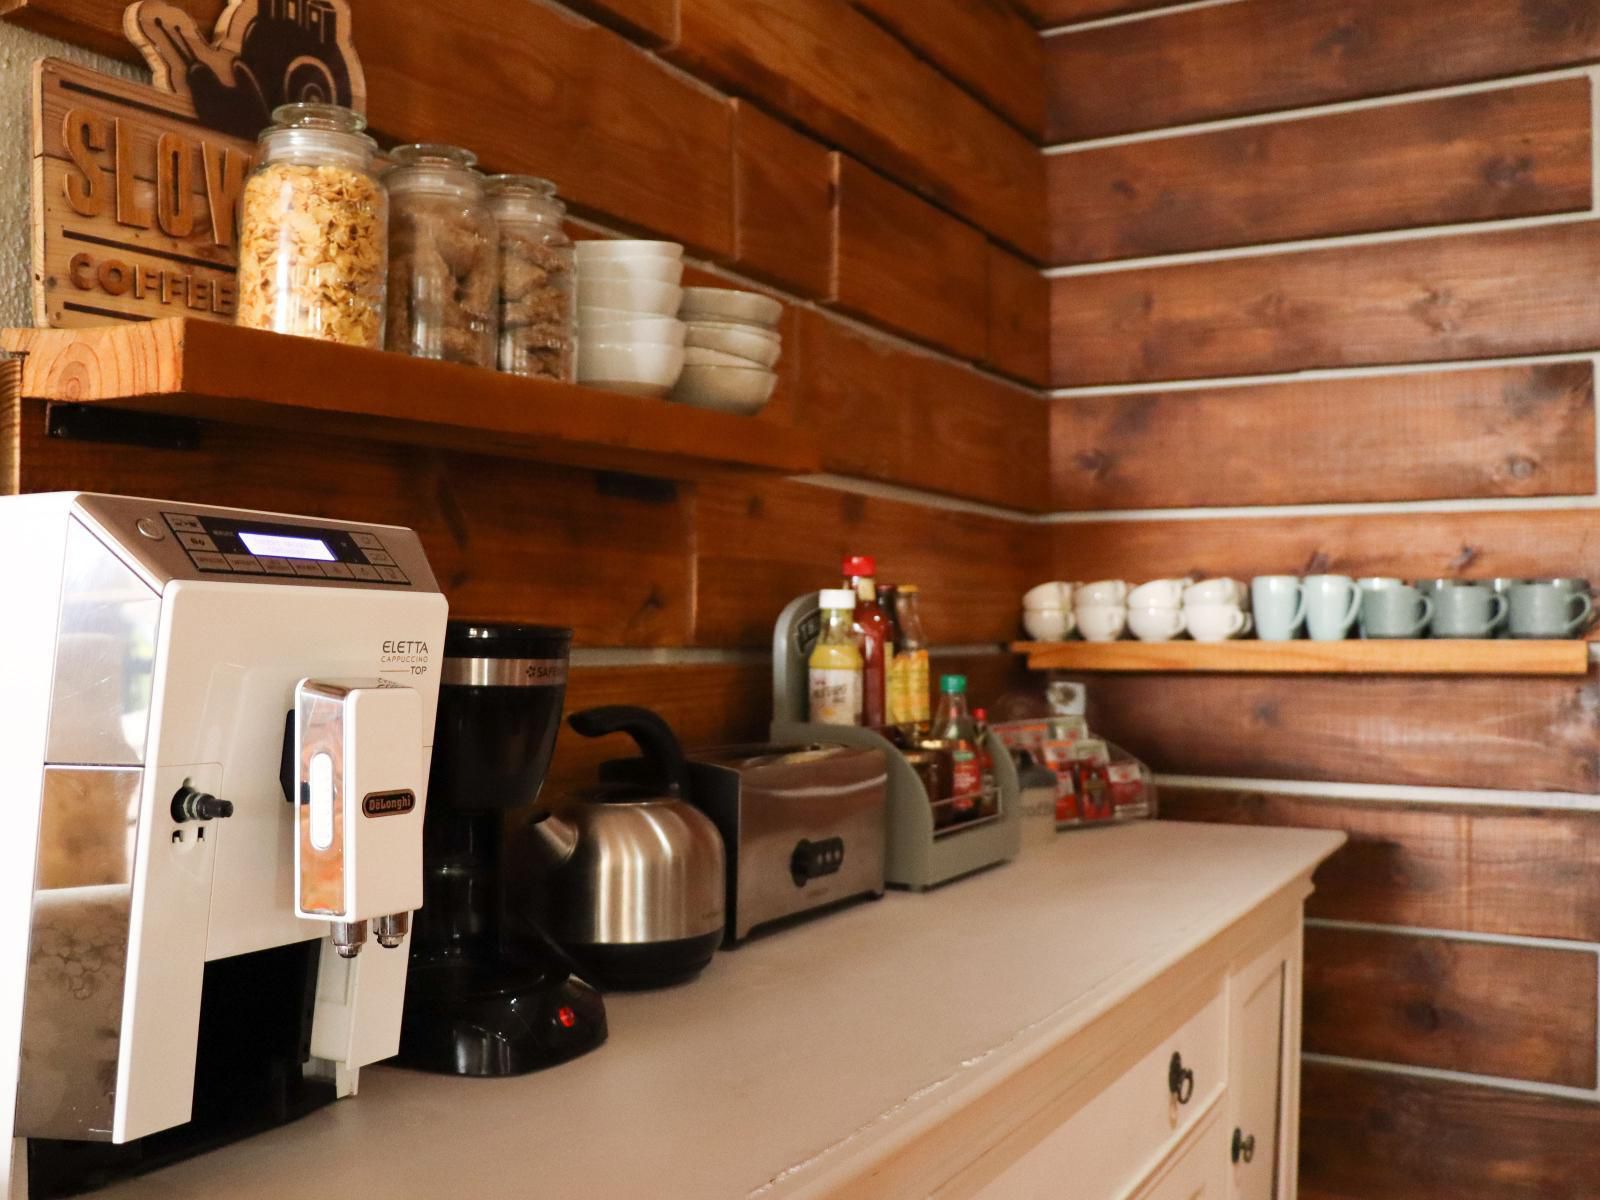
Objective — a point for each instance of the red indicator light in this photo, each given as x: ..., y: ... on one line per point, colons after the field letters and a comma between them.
x: 566, y: 1016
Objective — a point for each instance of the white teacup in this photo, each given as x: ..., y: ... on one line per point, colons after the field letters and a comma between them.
x: 1158, y: 593
x: 1153, y: 623
x: 1102, y: 622
x: 1106, y: 591
x: 1217, y: 591
x: 1048, y: 596
x: 1047, y: 624
x: 1215, y: 622
x: 1378, y: 583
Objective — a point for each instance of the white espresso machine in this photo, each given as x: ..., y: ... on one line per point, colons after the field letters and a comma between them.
x: 215, y: 729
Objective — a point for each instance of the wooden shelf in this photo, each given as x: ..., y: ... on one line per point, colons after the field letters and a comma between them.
x: 211, y: 371
x: 1353, y: 657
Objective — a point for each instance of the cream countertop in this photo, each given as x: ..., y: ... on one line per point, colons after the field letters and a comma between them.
x: 800, y: 1057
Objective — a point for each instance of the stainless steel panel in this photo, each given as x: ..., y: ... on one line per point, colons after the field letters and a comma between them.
x: 78, y: 953
x: 321, y: 713
x: 105, y: 657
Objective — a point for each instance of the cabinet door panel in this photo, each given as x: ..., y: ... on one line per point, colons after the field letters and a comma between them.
x: 1201, y: 1173
x: 1259, y: 1034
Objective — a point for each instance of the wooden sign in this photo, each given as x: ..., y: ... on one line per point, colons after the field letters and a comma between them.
x: 136, y: 187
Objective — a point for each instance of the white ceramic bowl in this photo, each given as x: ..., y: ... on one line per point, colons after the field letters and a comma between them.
x: 1158, y: 593
x: 701, y: 357
x: 1102, y: 622
x: 658, y: 268
x: 1155, y: 623
x: 1047, y: 624
x: 1217, y: 591
x: 744, y: 342
x: 744, y: 327
x: 1054, y: 594
x: 626, y: 328
x: 642, y: 296
x: 1216, y: 622
x: 595, y: 248
x: 743, y: 390
x: 642, y: 369
x: 1104, y: 591
x: 728, y: 304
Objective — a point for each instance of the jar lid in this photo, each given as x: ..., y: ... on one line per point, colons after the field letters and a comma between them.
x: 530, y: 185
x: 471, y: 639
x: 433, y: 154
x: 335, y: 118
x: 318, y: 129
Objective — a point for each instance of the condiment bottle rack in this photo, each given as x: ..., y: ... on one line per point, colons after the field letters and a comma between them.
x: 918, y: 857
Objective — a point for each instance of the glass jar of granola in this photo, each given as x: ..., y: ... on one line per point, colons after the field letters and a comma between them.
x: 443, y: 257
x: 313, y: 229
x: 537, y: 297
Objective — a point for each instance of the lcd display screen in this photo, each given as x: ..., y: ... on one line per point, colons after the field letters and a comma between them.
x: 276, y: 545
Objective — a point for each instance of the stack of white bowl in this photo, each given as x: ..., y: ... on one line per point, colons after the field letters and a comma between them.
x: 1047, y: 611
x: 629, y: 336
x: 733, y: 344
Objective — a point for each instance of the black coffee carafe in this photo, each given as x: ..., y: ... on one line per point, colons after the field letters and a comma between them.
x: 487, y: 992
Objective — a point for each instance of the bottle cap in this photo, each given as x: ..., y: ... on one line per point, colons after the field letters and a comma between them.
x: 980, y: 715
x: 906, y: 588
x: 952, y: 685
x: 837, y: 598
x: 859, y: 564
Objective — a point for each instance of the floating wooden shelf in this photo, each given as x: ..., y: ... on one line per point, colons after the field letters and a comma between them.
x: 1353, y: 657
x: 212, y: 371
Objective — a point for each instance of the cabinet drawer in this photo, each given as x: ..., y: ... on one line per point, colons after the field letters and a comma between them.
x: 1202, y: 1171
x: 1109, y: 1145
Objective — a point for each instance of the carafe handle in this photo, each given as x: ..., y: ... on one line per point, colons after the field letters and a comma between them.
x: 655, y: 739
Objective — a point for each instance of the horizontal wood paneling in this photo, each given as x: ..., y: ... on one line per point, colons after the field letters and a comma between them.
x: 986, y: 45
x: 844, y: 77
x: 1502, y: 431
x: 654, y: 22
x: 1515, y: 152
x: 760, y: 543
x: 1481, y: 545
x: 783, y: 203
x: 1534, y: 734
x: 1478, y: 295
x: 901, y: 262
x: 1063, y: 12
x: 1477, y: 868
x: 1519, y: 1012
x: 1019, y: 318
x: 95, y: 24
x: 885, y: 412
x: 1367, y: 1135
x: 1266, y: 55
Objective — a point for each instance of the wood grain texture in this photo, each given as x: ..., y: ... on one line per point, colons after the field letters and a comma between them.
x: 1514, y: 152
x: 654, y: 22
x: 1518, y: 1012
x: 904, y: 264
x: 1480, y: 545
x: 1367, y: 1135
x: 1266, y: 55
x: 1401, y: 656
x: 1019, y: 318
x: 843, y: 77
x: 783, y: 199
x: 985, y: 45
x: 94, y: 24
x: 1063, y: 12
x: 1464, y: 296
x: 761, y: 545
x: 1497, y: 431
x: 1532, y: 734
x: 882, y: 411
x: 1478, y: 868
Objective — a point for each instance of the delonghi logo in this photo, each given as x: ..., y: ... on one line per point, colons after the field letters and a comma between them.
x: 389, y: 804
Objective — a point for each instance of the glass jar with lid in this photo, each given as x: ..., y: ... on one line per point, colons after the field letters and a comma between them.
x: 537, y: 266
x: 443, y: 256
x: 313, y: 229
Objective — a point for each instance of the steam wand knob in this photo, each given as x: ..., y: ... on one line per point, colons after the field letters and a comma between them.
x: 188, y: 804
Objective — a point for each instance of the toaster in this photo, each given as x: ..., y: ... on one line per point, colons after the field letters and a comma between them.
x: 803, y: 826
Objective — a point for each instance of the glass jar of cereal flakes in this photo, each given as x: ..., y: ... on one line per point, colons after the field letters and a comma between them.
x: 313, y: 229
x: 537, y: 297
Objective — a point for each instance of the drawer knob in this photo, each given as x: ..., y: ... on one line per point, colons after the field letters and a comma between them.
x: 1244, y: 1148
x: 1180, y: 1079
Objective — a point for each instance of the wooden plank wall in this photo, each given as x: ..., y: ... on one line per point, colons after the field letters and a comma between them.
x: 1324, y: 303
x: 891, y: 189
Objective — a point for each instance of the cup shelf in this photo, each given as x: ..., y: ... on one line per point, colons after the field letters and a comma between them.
x: 205, y: 370
x: 1301, y: 657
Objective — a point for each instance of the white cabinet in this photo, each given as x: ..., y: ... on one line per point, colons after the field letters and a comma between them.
x: 1264, y: 1058
x: 1200, y: 1172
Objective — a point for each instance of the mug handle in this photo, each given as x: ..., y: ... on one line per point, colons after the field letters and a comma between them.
x: 1299, y: 617
x: 1586, y: 606
x: 1236, y: 623
x: 1355, y: 608
x: 1071, y: 621
x: 1501, y: 607
x: 1425, y: 618
x: 1180, y: 622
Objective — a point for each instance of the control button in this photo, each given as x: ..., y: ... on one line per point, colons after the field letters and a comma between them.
x: 183, y: 523
x: 247, y: 563
x: 379, y: 558
x: 276, y: 566
x: 308, y: 568
x: 151, y: 528
x: 362, y: 571
x: 196, y: 541
x: 367, y: 541
x: 336, y: 570
x: 208, y: 560
x: 392, y: 575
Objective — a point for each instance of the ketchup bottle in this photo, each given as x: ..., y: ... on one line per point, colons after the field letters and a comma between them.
x: 872, y: 627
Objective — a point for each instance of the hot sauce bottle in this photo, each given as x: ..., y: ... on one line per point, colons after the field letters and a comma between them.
x: 955, y: 731
x: 871, y: 628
